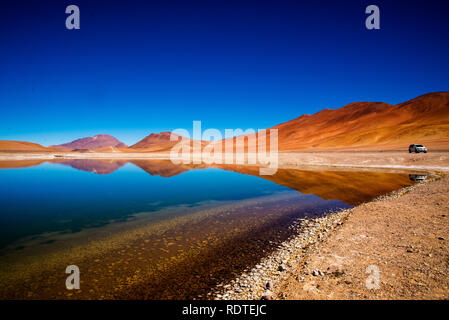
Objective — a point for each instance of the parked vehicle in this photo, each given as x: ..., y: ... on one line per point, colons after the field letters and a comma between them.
x: 417, y: 148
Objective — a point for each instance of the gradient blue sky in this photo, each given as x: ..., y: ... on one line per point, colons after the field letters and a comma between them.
x: 137, y: 67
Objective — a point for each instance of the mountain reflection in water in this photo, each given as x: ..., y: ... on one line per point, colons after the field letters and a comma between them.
x: 175, y: 234
x: 351, y: 187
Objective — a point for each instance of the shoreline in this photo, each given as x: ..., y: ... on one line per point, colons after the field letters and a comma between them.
x: 288, y: 272
x: 394, y: 160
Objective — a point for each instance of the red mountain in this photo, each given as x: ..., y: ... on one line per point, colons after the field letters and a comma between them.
x: 156, y: 142
x: 371, y: 125
x: 356, y: 126
x: 95, y: 142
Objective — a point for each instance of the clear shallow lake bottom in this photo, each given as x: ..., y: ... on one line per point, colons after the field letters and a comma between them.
x: 148, y: 229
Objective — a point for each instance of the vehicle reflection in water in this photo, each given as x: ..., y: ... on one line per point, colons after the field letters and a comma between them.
x: 417, y: 177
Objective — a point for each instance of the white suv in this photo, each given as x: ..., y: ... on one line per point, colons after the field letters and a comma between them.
x: 417, y: 148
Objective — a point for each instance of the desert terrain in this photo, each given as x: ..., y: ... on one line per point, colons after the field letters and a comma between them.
x: 404, y: 235
x: 358, y: 126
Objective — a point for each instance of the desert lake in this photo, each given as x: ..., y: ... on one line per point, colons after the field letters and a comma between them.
x: 149, y: 229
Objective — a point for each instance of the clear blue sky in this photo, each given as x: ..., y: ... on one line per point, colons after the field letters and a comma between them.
x: 137, y: 67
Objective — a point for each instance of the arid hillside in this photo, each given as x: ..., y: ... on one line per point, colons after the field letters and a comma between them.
x: 21, y: 146
x: 371, y: 125
x: 160, y: 142
x: 154, y: 142
x: 359, y: 126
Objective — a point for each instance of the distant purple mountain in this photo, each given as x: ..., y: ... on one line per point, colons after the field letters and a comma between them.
x: 95, y: 142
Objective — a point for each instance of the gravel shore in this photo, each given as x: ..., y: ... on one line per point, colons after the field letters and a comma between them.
x: 259, y: 282
x: 323, y: 262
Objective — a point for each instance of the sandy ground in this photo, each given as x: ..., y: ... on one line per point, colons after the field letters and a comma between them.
x: 438, y: 161
x: 395, y: 247
x: 403, y: 240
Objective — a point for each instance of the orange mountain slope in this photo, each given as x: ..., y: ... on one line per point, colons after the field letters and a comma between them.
x: 356, y: 126
x: 371, y: 125
x: 155, y: 141
x: 21, y: 146
x: 160, y: 142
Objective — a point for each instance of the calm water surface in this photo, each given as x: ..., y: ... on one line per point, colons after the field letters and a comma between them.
x: 152, y: 230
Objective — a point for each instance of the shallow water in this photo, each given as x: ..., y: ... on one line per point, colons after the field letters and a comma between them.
x: 148, y: 229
